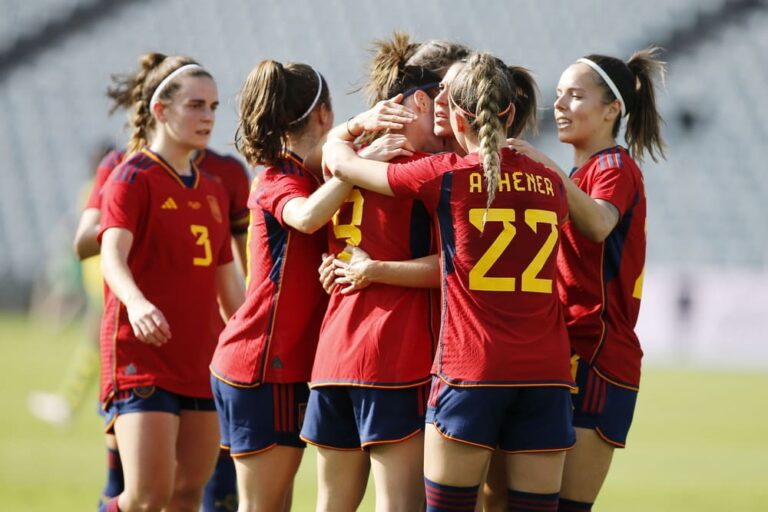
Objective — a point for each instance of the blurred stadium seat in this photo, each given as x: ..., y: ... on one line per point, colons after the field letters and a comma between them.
x: 705, y: 202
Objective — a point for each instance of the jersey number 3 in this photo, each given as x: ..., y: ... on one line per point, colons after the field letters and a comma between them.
x: 478, y: 280
x: 201, y: 232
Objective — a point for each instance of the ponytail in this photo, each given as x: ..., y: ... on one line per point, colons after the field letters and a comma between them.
x: 482, y: 92
x: 643, y: 131
x: 389, y: 60
x: 525, y: 94
x: 276, y: 100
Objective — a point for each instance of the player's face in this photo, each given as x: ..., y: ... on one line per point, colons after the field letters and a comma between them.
x: 191, y: 113
x: 442, y: 125
x: 581, y: 115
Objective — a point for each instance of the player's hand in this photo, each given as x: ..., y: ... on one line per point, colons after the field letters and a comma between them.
x: 384, y: 115
x: 334, y: 152
x: 527, y: 149
x: 352, y: 274
x: 326, y: 271
x: 148, y: 323
x: 387, y: 147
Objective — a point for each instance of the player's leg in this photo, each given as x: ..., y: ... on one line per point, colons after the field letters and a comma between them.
x: 391, y: 426
x: 342, y: 464
x: 586, y: 467
x: 536, y: 435
x: 114, y: 485
x: 220, y: 494
x: 398, y: 471
x: 495, y: 488
x: 342, y: 476
x: 602, y: 416
x: 453, y: 471
x: 264, y: 479
x: 261, y: 428
x: 147, y: 443
x: 197, y: 449
x: 462, y: 429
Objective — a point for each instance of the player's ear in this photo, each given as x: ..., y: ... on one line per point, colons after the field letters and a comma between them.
x: 422, y: 101
x: 158, y: 110
x: 510, y: 116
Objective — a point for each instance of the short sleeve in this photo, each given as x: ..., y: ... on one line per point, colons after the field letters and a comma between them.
x: 420, y: 179
x: 123, y: 203
x: 614, y: 184
x: 107, y: 164
x: 275, y: 190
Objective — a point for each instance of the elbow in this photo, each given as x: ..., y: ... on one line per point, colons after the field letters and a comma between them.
x: 308, y: 225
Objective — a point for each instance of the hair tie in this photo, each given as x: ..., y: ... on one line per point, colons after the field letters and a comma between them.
x: 167, y: 80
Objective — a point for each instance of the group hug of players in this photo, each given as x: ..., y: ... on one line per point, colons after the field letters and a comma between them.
x: 471, y: 322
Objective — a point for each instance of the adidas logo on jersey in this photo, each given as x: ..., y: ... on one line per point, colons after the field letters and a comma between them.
x: 169, y: 204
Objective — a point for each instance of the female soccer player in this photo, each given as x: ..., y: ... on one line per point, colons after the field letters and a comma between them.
x: 502, y: 366
x: 602, y: 256
x: 264, y: 356
x: 164, y: 276
x: 369, y: 383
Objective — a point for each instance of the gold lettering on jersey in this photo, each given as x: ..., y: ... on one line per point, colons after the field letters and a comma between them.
x: 475, y: 182
x: 518, y: 180
x: 195, y: 205
x: 213, y: 204
x: 504, y: 185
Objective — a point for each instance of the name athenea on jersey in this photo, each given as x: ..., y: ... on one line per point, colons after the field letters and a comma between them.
x: 517, y: 180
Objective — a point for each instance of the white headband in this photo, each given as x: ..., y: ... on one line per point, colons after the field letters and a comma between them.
x: 314, y: 103
x: 159, y: 89
x: 607, y: 80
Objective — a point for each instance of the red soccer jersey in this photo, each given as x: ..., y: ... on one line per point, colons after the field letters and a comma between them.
x: 502, y: 323
x: 383, y: 335
x: 180, y: 236
x: 273, y: 336
x: 109, y: 162
x: 231, y: 174
x: 225, y: 170
x: 600, y: 283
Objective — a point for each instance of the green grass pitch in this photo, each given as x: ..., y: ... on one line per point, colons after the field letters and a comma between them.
x: 699, y: 441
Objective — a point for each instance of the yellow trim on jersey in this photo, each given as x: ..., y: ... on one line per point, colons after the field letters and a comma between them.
x: 231, y: 383
x: 497, y: 385
x: 157, y: 159
x: 369, y: 386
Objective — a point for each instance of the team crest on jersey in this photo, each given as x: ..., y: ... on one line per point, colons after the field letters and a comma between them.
x: 214, y: 205
x: 130, y: 369
x: 195, y: 205
x: 169, y: 204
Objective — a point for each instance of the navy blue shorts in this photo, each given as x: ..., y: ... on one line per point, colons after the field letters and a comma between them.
x: 253, y: 420
x: 354, y: 417
x: 603, y: 406
x: 514, y: 419
x: 152, y: 399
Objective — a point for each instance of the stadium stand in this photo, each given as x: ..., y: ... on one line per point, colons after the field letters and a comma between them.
x: 703, y: 200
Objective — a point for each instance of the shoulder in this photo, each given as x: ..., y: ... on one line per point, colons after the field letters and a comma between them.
x: 211, y: 160
x: 520, y: 161
x: 134, y: 168
x: 112, y: 159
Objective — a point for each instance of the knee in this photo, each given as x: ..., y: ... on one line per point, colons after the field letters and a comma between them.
x: 147, y: 501
x: 188, y: 496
